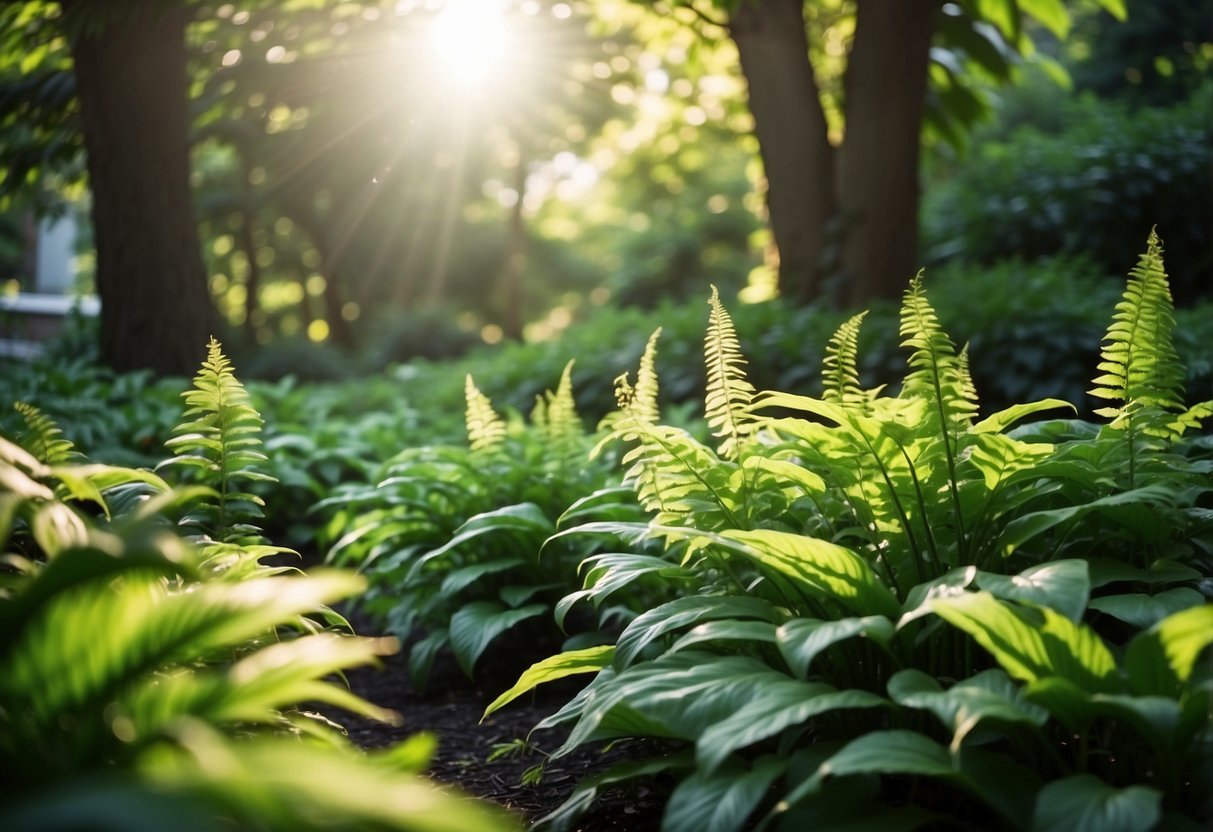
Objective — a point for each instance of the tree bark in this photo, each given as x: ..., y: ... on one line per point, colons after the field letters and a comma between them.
x: 878, y: 188
x: 130, y: 68
x: 793, y: 138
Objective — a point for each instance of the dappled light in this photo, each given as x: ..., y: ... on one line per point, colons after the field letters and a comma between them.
x: 495, y: 415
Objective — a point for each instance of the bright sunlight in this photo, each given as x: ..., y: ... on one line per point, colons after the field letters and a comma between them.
x: 470, y: 38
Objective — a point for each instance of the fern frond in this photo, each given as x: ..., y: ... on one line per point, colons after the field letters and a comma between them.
x: 485, y: 428
x: 840, y: 368
x: 644, y: 401
x: 219, y: 440
x: 936, y: 371
x: 556, y: 417
x: 44, y: 438
x: 1140, y: 366
x: 729, y: 393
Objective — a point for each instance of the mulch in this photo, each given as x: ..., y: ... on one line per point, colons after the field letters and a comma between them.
x: 451, y: 709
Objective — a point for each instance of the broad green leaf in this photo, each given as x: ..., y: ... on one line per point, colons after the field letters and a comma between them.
x: 822, y: 567
x: 889, y: 752
x: 1063, y: 585
x: 459, y: 579
x: 920, y: 597
x: 1023, y: 529
x: 589, y: 660
x: 720, y: 801
x: 777, y: 705
x: 611, y: 572
x: 786, y: 472
x: 476, y: 625
x: 802, y: 639
x: 525, y: 519
x: 684, y: 612
x: 1084, y: 803
x: 1144, y: 611
x: 988, y: 695
x: 1160, y: 660
x: 998, y: 457
x: 1033, y: 642
x: 728, y: 629
x: 1003, y: 419
x: 1052, y: 14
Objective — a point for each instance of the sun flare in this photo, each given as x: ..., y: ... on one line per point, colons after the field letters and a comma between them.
x: 471, y: 39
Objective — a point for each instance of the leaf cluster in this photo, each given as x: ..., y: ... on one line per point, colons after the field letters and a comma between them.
x: 870, y: 590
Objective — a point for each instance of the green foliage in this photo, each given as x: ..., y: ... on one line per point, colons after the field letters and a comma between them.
x: 1090, y: 187
x: 145, y: 688
x: 220, y: 441
x: 899, y: 586
x: 450, y: 537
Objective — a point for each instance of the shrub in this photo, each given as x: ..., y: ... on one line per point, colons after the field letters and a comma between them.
x: 867, y: 592
x: 1093, y: 187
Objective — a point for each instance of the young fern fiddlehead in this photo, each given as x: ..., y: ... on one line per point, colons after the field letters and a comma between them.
x: 219, y: 440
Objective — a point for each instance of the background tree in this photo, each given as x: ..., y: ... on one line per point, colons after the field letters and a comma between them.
x: 841, y: 147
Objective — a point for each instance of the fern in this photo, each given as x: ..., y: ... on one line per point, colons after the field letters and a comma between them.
x: 485, y: 429
x: 43, y: 438
x: 937, y: 373
x: 840, y: 369
x: 556, y: 417
x: 219, y: 439
x: 730, y: 395
x: 1140, y: 366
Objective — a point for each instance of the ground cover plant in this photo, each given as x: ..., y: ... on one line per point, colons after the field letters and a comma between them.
x: 894, y: 611
x: 449, y: 536
x: 161, y: 678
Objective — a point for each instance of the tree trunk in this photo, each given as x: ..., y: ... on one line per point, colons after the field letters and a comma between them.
x: 886, y: 86
x: 792, y: 136
x: 130, y: 70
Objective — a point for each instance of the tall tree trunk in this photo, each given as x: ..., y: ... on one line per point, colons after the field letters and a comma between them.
x: 130, y: 69
x: 792, y: 135
x: 886, y: 85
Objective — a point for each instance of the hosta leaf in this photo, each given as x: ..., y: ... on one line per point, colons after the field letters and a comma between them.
x: 802, y: 639
x: 727, y: 630
x: 1084, y: 803
x: 1062, y: 585
x: 1032, y: 643
x: 611, y: 572
x: 589, y: 660
x: 684, y: 612
x: 1144, y: 611
x: 890, y: 752
x: 1029, y: 526
x: 720, y: 801
x: 776, y: 706
x: 474, y: 627
x: 819, y: 566
x: 459, y: 579
x: 1160, y: 660
x: 525, y: 519
x: 920, y: 597
x: 988, y: 695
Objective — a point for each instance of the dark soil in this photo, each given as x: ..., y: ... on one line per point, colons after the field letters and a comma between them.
x: 451, y: 709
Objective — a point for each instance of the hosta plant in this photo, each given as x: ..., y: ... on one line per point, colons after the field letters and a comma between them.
x: 450, y: 537
x: 144, y: 689
x: 876, y: 591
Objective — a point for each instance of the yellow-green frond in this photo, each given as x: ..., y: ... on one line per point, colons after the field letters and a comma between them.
x: 840, y: 367
x: 43, y: 438
x: 1140, y: 367
x: 730, y: 395
x: 936, y: 373
x: 485, y: 428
